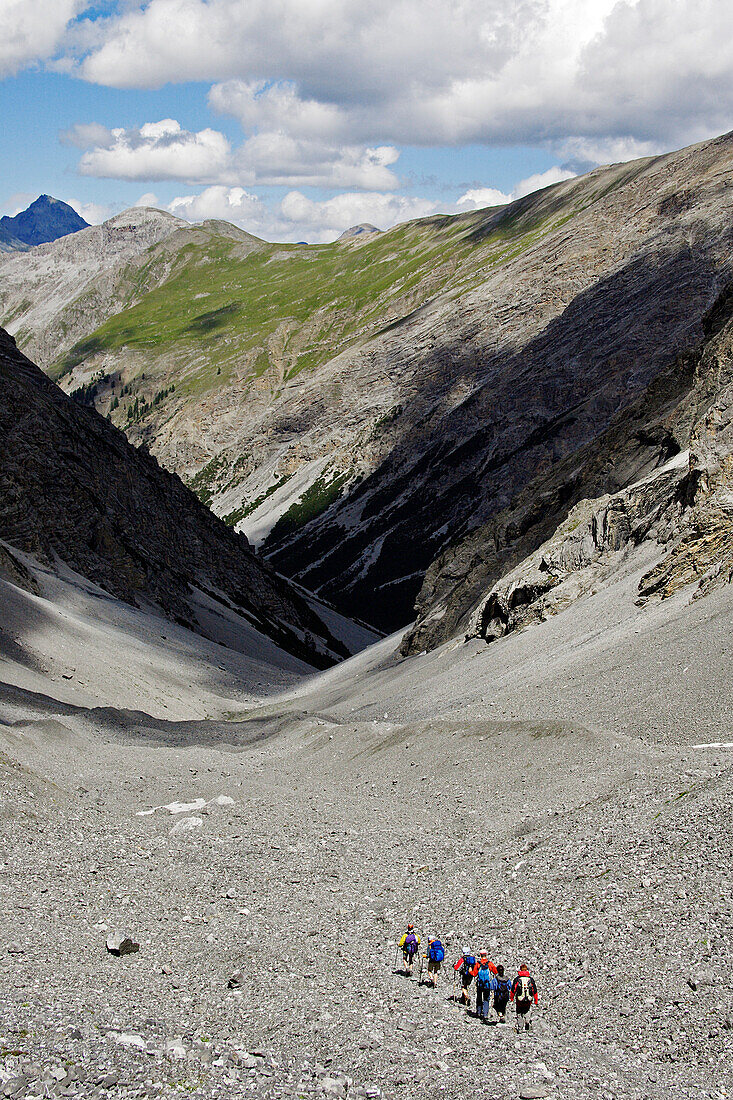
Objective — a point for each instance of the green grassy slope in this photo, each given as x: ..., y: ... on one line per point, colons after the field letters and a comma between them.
x: 223, y: 315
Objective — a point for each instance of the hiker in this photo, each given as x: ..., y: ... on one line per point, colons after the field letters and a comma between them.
x: 523, y: 993
x: 410, y: 944
x: 502, y: 993
x: 464, y: 969
x: 483, y: 963
x: 485, y: 988
x: 435, y: 955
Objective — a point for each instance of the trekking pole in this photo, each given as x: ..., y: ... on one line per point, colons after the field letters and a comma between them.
x: 397, y: 957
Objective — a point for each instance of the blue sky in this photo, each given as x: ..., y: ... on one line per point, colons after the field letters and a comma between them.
x: 297, y: 118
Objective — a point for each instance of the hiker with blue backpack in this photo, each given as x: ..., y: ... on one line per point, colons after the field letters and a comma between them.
x: 410, y: 944
x: 484, y: 964
x: 435, y: 955
x: 485, y: 987
x: 464, y: 969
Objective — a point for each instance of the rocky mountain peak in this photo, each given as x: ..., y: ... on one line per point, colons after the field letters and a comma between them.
x: 361, y: 230
x: 136, y: 216
x: 44, y: 220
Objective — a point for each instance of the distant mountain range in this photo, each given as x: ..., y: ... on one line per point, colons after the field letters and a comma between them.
x: 45, y: 220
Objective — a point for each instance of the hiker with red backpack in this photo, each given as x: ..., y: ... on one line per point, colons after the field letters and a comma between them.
x: 486, y: 968
x: 464, y: 970
x: 524, y: 995
x: 410, y: 944
x: 435, y: 955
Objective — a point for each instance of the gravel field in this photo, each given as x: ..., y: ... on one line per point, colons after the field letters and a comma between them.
x: 546, y: 797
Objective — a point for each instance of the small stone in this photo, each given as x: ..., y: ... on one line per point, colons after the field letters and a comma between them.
x: 16, y: 1086
x: 533, y: 1092
x: 108, y: 1080
x: 331, y: 1087
x: 15, y: 949
x: 186, y: 825
x: 248, y: 1061
x: 236, y: 981
x: 120, y: 944
x: 700, y: 978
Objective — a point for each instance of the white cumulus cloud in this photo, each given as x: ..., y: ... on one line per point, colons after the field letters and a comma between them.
x: 164, y: 150
x: 479, y: 197
x: 158, y: 151
x: 608, y: 73
x: 31, y: 32
x: 232, y: 204
x: 297, y: 217
x: 277, y: 159
x: 93, y: 212
x: 342, y: 211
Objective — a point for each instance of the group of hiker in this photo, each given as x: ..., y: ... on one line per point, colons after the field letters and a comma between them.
x: 494, y: 990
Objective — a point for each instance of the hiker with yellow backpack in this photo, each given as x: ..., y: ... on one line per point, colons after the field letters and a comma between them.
x: 410, y: 945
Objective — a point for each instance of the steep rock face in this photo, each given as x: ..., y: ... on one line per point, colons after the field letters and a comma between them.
x: 703, y: 551
x: 582, y: 553
x: 45, y: 220
x: 684, y: 507
x: 498, y: 387
x: 73, y: 488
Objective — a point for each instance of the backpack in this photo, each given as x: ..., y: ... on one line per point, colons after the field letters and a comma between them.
x: 524, y: 990
x: 436, y: 952
x: 410, y: 944
x: 483, y: 980
x: 503, y: 989
x: 469, y: 961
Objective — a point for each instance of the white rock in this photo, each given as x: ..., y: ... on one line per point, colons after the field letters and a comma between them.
x: 186, y: 825
x: 221, y: 800
x: 185, y: 807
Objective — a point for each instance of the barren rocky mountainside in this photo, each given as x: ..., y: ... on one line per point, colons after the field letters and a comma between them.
x: 56, y: 293
x: 523, y: 566
x: 358, y: 408
x: 74, y: 491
